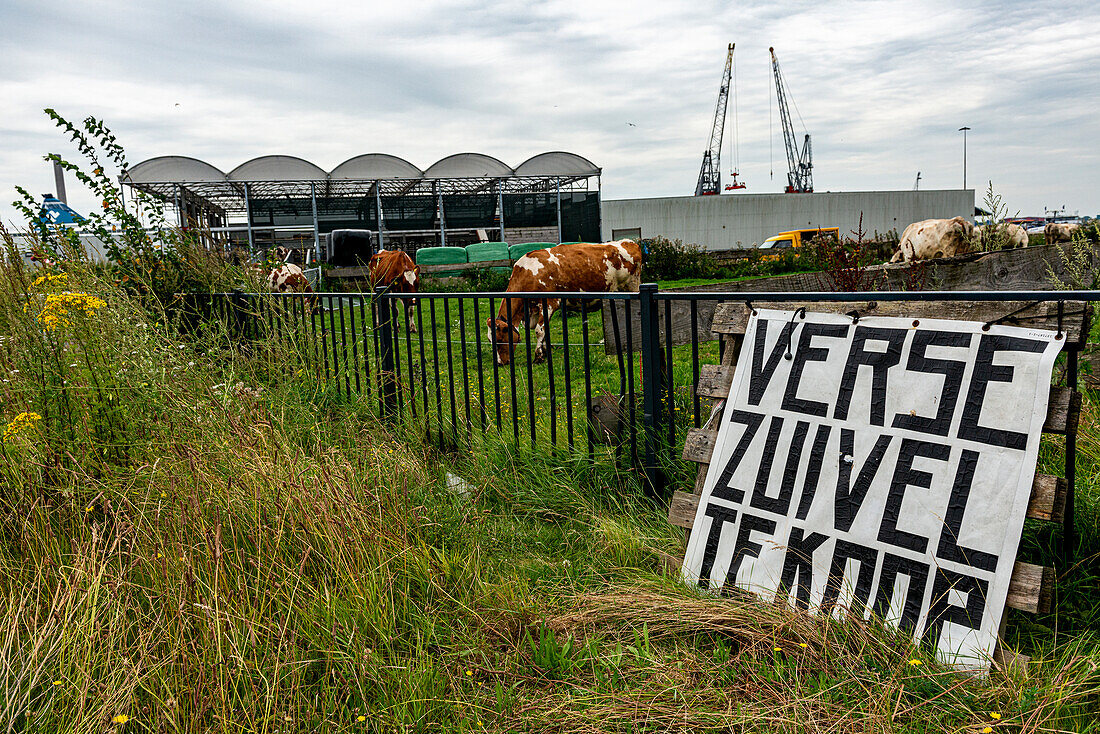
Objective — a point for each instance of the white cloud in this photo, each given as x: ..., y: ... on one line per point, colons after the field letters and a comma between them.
x: 881, y: 86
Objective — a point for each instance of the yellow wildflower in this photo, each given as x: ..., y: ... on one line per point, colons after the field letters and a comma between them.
x: 777, y: 649
x: 995, y: 715
x: 916, y: 661
x: 57, y: 682
x: 59, y: 306
x: 22, y: 422
x: 360, y: 717
x: 803, y: 644
x: 50, y: 280
x: 120, y: 719
x: 987, y: 730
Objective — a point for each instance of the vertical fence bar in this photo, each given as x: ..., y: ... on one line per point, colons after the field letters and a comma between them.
x: 629, y: 393
x: 651, y: 385
x: 496, y: 365
x: 696, y: 406
x: 670, y: 377
x: 588, y: 384
x: 411, y: 391
x: 386, y: 366
x: 450, y: 364
x: 336, y: 364
x: 355, y: 347
x: 548, y: 355
x: 423, y: 363
x: 565, y: 367
x: 398, y: 306
x: 512, y: 370
x: 435, y: 367
x: 480, y: 367
x: 366, y: 346
x: 465, y: 367
x: 530, y: 369
x: 344, y: 351
x: 1069, y: 531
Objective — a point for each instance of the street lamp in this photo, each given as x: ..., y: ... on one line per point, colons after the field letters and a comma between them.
x: 963, y: 131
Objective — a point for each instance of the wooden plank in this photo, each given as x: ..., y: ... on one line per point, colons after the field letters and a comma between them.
x: 606, y: 416
x: 699, y: 444
x: 1063, y: 411
x: 355, y: 272
x: 1031, y: 588
x: 1048, y: 501
x: 1006, y: 659
x: 732, y: 318
x: 714, y: 381
x: 1048, y: 498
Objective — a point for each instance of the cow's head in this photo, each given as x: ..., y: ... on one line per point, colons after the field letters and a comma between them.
x: 503, y: 336
x: 412, y: 277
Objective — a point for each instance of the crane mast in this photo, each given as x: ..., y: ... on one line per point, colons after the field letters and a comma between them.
x: 710, y: 173
x: 799, y: 162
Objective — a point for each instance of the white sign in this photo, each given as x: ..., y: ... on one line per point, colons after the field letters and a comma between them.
x: 880, y: 466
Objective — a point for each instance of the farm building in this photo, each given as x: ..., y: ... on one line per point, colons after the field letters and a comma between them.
x: 745, y: 220
x: 463, y: 198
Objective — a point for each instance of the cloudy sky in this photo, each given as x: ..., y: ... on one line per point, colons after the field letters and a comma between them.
x: 881, y: 86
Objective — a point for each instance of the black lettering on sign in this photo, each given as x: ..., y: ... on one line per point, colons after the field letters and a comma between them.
x: 949, y: 548
x: 942, y: 610
x: 745, y: 546
x: 866, y: 558
x: 798, y: 563
x: 849, y: 496
x: 986, y: 372
x: 720, y: 516
x: 906, y: 476
x: 917, y: 574
x: 805, y: 353
x: 879, y: 362
x: 752, y: 422
x: 760, y: 374
x: 780, y: 504
x: 952, y: 371
x: 813, y: 471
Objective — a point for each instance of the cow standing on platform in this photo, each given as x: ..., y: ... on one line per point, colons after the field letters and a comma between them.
x: 396, y: 271
x: 611, y: 266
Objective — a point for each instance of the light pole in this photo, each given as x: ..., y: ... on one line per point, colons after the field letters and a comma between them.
x: 963, y: 131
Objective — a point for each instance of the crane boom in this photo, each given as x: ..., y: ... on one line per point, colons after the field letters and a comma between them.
x: 710, y: 173
x: 799, y: 162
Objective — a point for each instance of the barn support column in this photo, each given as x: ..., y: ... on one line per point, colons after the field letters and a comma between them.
x: 442, y: 222
x: 316, y: 232
x: 179, y: 206
x: 378, y: 208
x: 500, y: 206
x: 558, y: 187
x: 599, y: 211
x: 248, y: 220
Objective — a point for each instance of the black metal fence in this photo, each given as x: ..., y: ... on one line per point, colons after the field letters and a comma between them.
x: 615, y: 384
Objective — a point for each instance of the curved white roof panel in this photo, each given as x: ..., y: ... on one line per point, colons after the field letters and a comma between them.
x: 557, y: 163
x: 277, y: 168
x: 174, y: 168
x: 375, y: 165
x: 468, y: 165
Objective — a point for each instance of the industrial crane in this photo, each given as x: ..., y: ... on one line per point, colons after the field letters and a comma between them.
x: 710, y: 173
x: 799, y: 162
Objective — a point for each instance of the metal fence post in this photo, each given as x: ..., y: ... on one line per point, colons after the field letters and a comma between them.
x: 387, y: 372
x: 1069, y: 531
x: 653, y: 477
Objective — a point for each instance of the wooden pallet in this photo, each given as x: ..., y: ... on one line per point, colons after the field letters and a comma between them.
x: 1031, y: 587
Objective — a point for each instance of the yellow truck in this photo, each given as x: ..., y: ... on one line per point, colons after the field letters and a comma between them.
x: 798, y: 237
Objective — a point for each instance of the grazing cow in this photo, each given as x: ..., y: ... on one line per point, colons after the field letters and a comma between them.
x: 611, y: 266
x: 1013, y: 235
x: 1055, y: 232
x: 395, y: 270
x: 288, y: 278
x: 934, y: 238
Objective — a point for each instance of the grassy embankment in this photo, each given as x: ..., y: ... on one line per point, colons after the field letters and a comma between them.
x: 199, y: 539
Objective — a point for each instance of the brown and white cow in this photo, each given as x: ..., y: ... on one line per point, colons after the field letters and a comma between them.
x: 1055, y: 232
x: 395, y: 270
x: 934, y: 238
x: 288, y: 278
x: 1013, y: 235
x: 611, y: 266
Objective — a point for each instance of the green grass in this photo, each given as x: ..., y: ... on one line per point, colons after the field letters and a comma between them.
x: 206, y: 538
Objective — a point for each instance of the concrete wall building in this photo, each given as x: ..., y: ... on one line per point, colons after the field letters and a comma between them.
x: 744, y: 220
